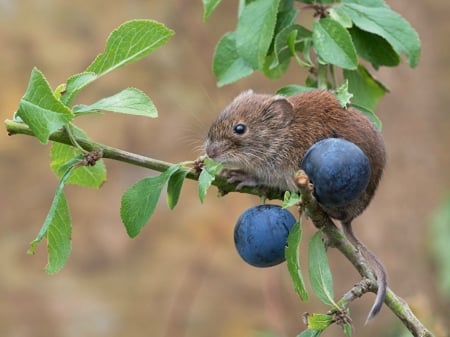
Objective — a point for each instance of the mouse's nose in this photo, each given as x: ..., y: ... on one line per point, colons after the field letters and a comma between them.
x: 212, y: 150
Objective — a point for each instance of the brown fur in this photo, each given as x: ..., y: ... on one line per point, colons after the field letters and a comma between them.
x: 279, y: 131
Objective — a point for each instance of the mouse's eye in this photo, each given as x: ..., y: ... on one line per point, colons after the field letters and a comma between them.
x: 239, y: 129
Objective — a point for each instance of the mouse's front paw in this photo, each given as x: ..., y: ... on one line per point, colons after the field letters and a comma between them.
x: 240, y: 177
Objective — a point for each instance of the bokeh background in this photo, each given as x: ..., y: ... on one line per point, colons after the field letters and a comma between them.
x: 182, y: 276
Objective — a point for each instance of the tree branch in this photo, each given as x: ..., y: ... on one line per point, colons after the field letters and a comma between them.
x: 338, y: 240
x: 320, y: 219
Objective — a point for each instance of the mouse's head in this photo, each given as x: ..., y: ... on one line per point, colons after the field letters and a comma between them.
x: 252, y: 131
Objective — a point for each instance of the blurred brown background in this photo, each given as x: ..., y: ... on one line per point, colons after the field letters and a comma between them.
x: 182, y: 276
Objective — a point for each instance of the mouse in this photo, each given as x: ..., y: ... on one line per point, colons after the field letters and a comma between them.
x: 261, y: 139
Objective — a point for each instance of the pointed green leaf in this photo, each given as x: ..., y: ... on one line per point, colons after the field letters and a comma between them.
x: 310, y: 333
x: 337, y: 14
x: 140, y: 200
x: 130, y: 42
x: 41, y: 110
x: 129, y: 101
x: 62, y: 155
x: 374, y: 48
x: 319, y: 321
x: 207, y: 176
x: 319, y: 270
x: 174, y: 187
x: 59, y: 236
x: 255, y: 31
x: 291, y: 199
x: 343, y: 95
x: 75, y: 84
x: 293, y: 261
x: 378, y: 18
x: 347, y: 328
x: 208, y: 8
x: 366, y: 90
x: 288, y: 41
x: 57, y: 229
x: 333, y: 44
x: 228, y: 66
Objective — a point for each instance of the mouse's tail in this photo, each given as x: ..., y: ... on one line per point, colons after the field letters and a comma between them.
x: 376, y: 265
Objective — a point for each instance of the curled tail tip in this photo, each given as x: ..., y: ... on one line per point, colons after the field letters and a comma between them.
x: 381, y: 295
x: 373, y: 312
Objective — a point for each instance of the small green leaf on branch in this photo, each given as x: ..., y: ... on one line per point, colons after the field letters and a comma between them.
x: 378, y: 18
x: 348, y: 330
x: 293, y: 260
x: 130, y: 42
x: 57, y: 229
x: 130, y: 101
x: 333, y: 44
x: 255, y: 31
x: 310, y: 333
x: 291, y: 199
x: 228, y: 66
x: 140, y: 200
x: 63, y: 156
x: 343, y: 96
x: 319, y: 270
x: 40, y: 109
x: 319, y: 321
x: 207, y: 176
x: 75, y: 84
x: 174, y: 187
x: 208, y: 8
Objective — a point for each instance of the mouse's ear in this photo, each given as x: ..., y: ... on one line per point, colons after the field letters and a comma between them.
x: 279, y: 107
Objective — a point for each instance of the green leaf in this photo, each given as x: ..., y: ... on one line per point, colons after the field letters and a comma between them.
x: 310, y: 333
x: 208, y: 8
x: 293, y: 89
x: 347, y: 328
x: 59, y: 236
x: 174, y: 187
x: 75, y: 84
x: 140, y: 200
x: 41, y: 110
x: 288, y: 41
x: 56, y: 228
x: 343, y: 96
x: 207, y: 176
x: 333, y: 44
x: 337, y: 14
x: 293, y: 261
x: 319, y: 321
x: 130, y: 42
x: 366, y: 90
x: 87, y: 176
x: 377, y: 18
x: 438, y: 239
x: 130, y: 101
x: 275, y: 72
x: 255, y: 31
x: 228, y: 66
x: 291, y: 199
x: 319, y: 270
x: 63, y: 156
x: 374, y: 48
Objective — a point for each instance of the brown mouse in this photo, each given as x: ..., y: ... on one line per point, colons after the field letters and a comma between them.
x: 261, y: 140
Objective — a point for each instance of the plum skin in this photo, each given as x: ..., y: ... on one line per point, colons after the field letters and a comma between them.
x: 261, y: 233
x: 339, y: 170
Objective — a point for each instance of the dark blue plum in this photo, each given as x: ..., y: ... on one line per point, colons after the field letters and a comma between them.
x: 338, y: 169
x: 260, y: 234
